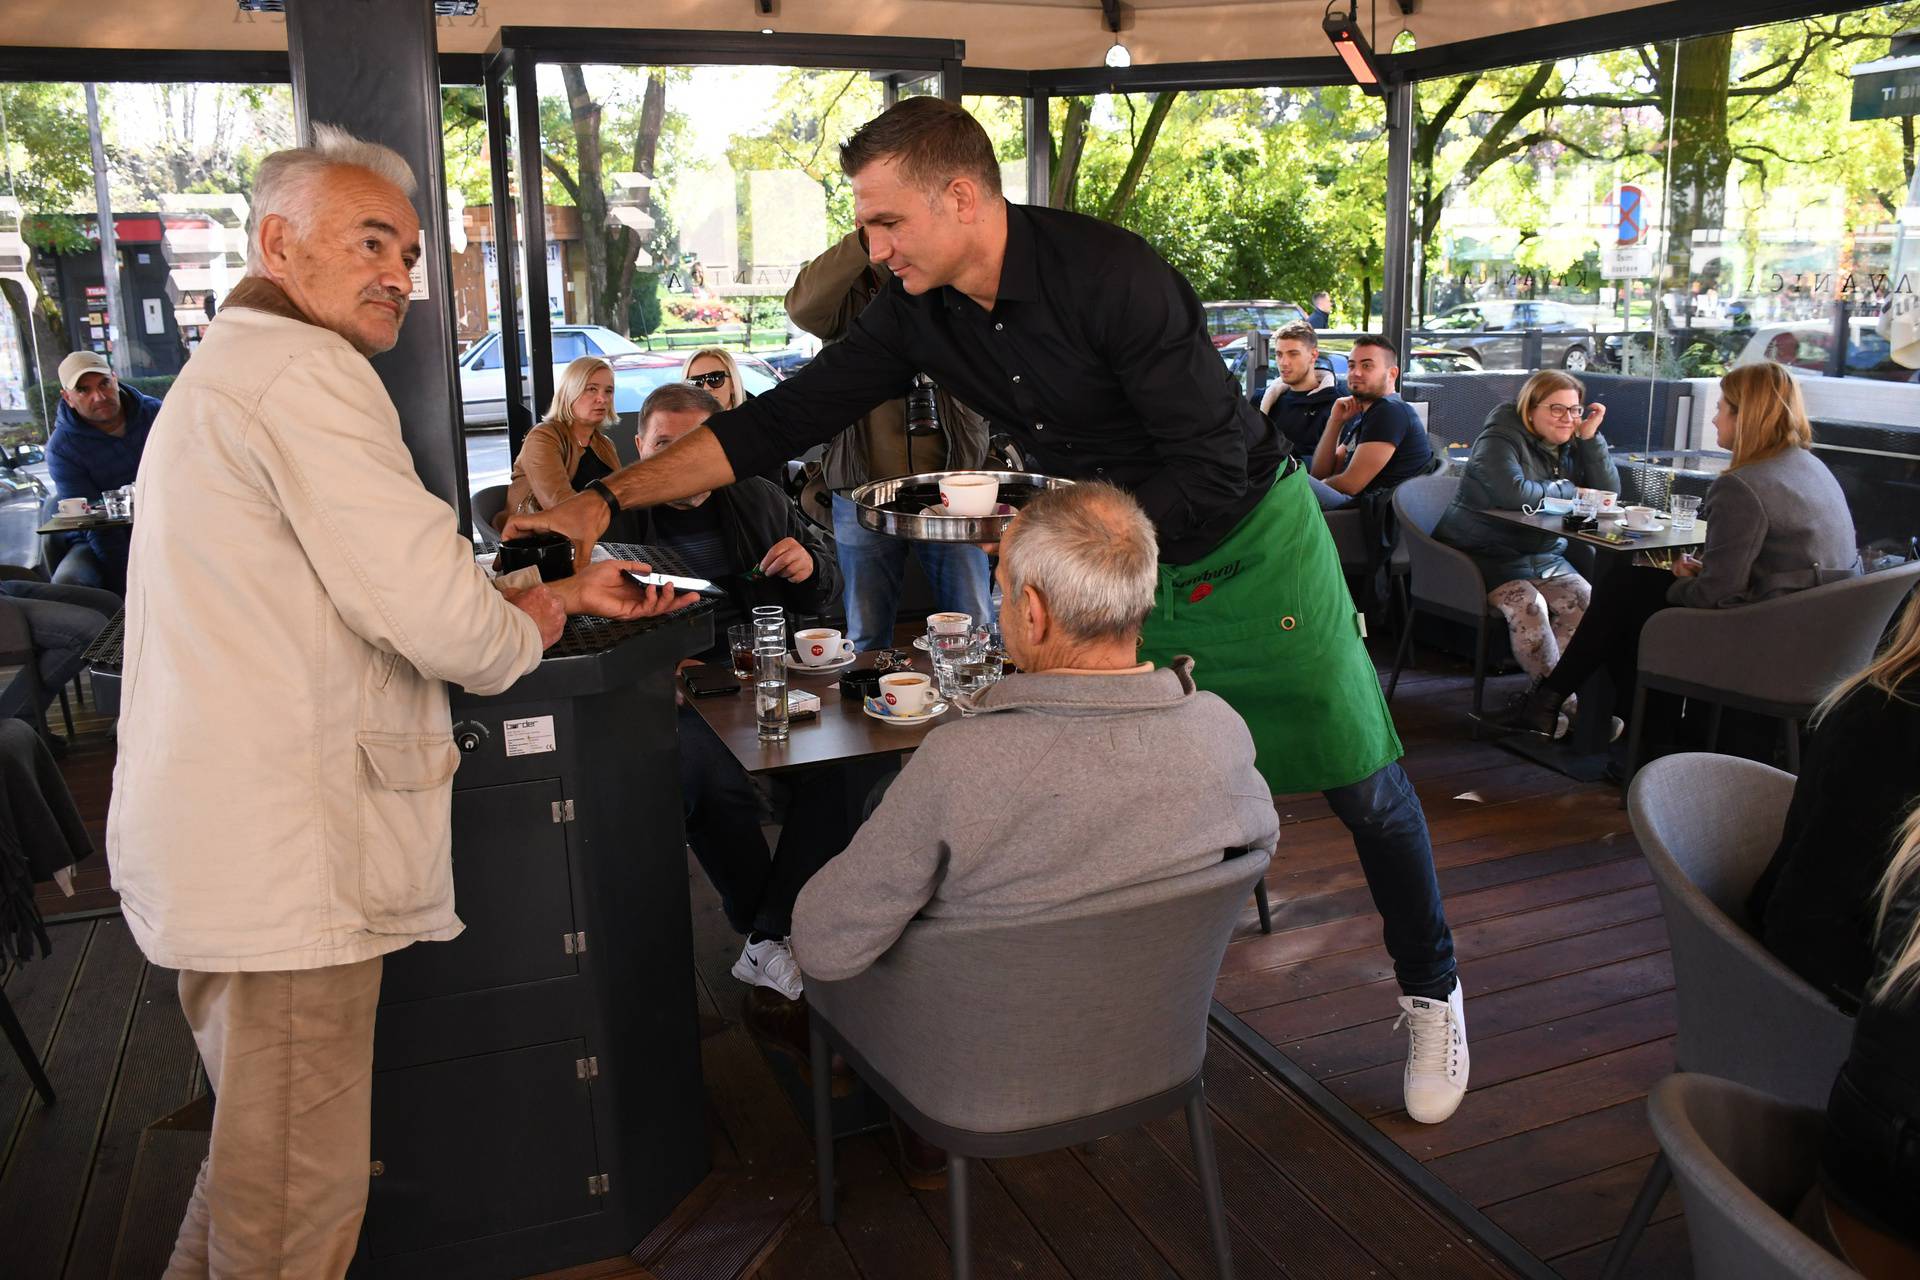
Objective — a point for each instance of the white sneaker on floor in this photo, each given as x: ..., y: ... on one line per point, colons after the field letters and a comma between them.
x: 1436, y: 1077
x: 769, y: 964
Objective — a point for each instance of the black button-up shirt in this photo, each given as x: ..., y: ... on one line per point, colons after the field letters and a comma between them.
x: 1095, y: 360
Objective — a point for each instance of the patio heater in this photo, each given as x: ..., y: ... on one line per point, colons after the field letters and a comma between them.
x: 1351, y: 44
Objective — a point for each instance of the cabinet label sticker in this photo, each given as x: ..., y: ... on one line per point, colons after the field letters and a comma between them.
x: 529, y: 737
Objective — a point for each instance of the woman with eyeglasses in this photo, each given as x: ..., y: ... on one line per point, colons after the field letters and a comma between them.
x: 1777, y: 522
x: 569, y: 448
x: 1546, y: 444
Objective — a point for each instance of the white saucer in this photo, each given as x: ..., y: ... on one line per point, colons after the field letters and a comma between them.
x: 920, y: 643
x: 940, y: 509
x: 933, y: 712
x: 838, y: 664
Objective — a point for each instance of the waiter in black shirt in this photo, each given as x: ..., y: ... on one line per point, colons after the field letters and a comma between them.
x: 1077, y: 340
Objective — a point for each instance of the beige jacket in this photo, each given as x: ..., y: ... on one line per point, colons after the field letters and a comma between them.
x: 296, y: 604
x: 543, y: 473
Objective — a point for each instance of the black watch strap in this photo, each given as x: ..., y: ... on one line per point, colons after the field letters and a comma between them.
x: 606, y: 495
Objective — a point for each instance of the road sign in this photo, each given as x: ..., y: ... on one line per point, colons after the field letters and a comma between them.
x: 1630, y: 205
x: 1626, y: 261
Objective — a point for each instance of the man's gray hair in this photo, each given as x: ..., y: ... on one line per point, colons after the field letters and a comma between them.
x: 287, y: 181
x: 1090, y: 551
x: 676, y: 397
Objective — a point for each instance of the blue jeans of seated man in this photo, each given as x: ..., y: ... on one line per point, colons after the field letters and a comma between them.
x: 724, y: 810
x: 61, y: 621
x: 1331, y: 499
x: 875, y: 565
x: 1390, y: 834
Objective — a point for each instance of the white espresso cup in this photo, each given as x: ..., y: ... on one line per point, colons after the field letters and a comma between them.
x: 949, y: 624
x: 73, y: 506
x: 821, y: 646
x: 969, y: 493
x: 1602, y: 499
x: 1645, y: 519
x: 906, y: 693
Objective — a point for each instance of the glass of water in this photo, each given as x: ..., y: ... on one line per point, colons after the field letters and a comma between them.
x: 770, y: 691
x: 1684, y: 508
x: 975, y: 674
x: 118, y: 502
x: 948, y: 649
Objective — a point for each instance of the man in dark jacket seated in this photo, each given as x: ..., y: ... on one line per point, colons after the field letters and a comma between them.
x: 99, y: 432
x: 725, y: 535
x: 1298, y: 402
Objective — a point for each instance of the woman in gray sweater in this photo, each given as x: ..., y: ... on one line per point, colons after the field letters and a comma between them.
x: 1776, y: 522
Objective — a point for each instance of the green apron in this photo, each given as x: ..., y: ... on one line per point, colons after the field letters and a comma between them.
x: 1271, y: 629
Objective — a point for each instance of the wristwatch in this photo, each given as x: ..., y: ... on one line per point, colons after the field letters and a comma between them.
x: 606, y: 495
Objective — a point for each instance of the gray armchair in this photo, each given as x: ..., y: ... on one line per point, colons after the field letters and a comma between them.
x: 1708, y: 825
x: 486, y: 505
x: 1445, y: 581
x: 1743, y: 1161
x: 996, y: 1038
x: 1779, y: 657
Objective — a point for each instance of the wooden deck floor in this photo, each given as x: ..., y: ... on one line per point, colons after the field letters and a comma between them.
x: 94, y: 1186
x: 1564, y: 964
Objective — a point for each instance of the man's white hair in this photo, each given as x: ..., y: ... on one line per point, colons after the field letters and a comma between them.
x: 288, y: 182
x: 1090, y: 551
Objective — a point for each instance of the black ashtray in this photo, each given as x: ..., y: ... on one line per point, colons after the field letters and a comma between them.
x: 551, y: 553
x: 861, y: 684
x: 1579, y: 524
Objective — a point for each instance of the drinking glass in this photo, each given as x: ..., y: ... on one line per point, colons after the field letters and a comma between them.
x: 740, y: 643
x: 946, y: 650
x: 975, y: 674
x: 770, y: 691
x: 119, y: 504
x: 769, y: 623
x: 1683, y: 507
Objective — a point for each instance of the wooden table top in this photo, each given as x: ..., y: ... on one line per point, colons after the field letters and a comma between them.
x: 842, y: 731
x: 1662, y: 539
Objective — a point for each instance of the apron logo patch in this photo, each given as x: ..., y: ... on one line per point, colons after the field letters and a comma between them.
x: 1200, y: 585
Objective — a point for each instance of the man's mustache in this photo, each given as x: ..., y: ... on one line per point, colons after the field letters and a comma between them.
x: 394, y: 296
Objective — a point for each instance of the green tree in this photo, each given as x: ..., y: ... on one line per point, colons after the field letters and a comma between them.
x: 48, y: 167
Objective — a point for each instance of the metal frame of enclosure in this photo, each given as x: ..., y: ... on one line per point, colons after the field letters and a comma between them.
x: 508, y: 73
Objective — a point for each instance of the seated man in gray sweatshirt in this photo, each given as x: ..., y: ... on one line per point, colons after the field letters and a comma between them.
x: 1088, y: 772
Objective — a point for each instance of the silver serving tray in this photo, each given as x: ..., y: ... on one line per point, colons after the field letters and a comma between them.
x: 897, y: 506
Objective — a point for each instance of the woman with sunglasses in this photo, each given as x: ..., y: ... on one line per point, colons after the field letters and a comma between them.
x: 1544, y: 445
x: 715, y: 371
x: 1777, y: 522
x: 569, y: 448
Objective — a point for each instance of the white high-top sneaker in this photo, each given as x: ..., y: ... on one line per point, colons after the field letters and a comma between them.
x: 770, y: 964
x: 1436, y: 1077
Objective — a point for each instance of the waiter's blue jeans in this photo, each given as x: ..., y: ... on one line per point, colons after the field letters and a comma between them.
x: 1390, y: 834
x: 875, y: 565
x: 724, y: 811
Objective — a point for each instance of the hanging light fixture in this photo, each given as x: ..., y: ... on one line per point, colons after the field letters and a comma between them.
x: 1351, y: 44
x: 1118, y: 56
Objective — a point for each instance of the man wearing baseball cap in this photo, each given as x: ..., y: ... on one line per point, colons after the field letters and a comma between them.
x: 98, y: 435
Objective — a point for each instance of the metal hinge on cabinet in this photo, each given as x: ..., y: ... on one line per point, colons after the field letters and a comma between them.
x: 587, y: 1068
x: 596, y: 1184
x: 574, y: 944
x: 563, y: 811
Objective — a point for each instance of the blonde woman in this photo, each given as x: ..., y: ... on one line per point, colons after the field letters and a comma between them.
x: 570, y: 447
x: 1813, y: 907
x: 1777, y: 522
x: 1546, y: 444
x: 715, y: 371
x: 1866, y: 1206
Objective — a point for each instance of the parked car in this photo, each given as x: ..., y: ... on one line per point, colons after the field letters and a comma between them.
x: 1229, y: 320
x: 638, y: 372
x: 788, y: 362
x: 1495, y: 332
x: 483, y: 381
x: 22, y: 498
x: 1805, y: 346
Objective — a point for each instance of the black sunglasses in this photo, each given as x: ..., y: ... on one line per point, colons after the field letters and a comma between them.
x: 711, y: 381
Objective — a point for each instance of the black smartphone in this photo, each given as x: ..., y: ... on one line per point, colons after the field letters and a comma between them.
x: 709, y: 681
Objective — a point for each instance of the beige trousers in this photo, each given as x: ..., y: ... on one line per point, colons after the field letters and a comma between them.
x: 284, y: 1186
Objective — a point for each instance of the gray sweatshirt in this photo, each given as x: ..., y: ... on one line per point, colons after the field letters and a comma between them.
x: 1064, y: 786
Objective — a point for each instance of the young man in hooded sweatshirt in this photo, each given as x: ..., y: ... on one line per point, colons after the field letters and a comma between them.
x: 1297, y: 404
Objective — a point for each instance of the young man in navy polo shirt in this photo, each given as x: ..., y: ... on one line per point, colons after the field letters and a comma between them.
x: 1373, y: 439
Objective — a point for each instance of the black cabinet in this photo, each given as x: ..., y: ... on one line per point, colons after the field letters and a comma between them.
x: 537, y: 1099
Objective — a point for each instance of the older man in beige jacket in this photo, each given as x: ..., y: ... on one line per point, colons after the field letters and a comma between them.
x: 297, y: 603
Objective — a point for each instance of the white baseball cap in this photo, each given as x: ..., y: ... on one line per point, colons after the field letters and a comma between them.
x: 79, y: 365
